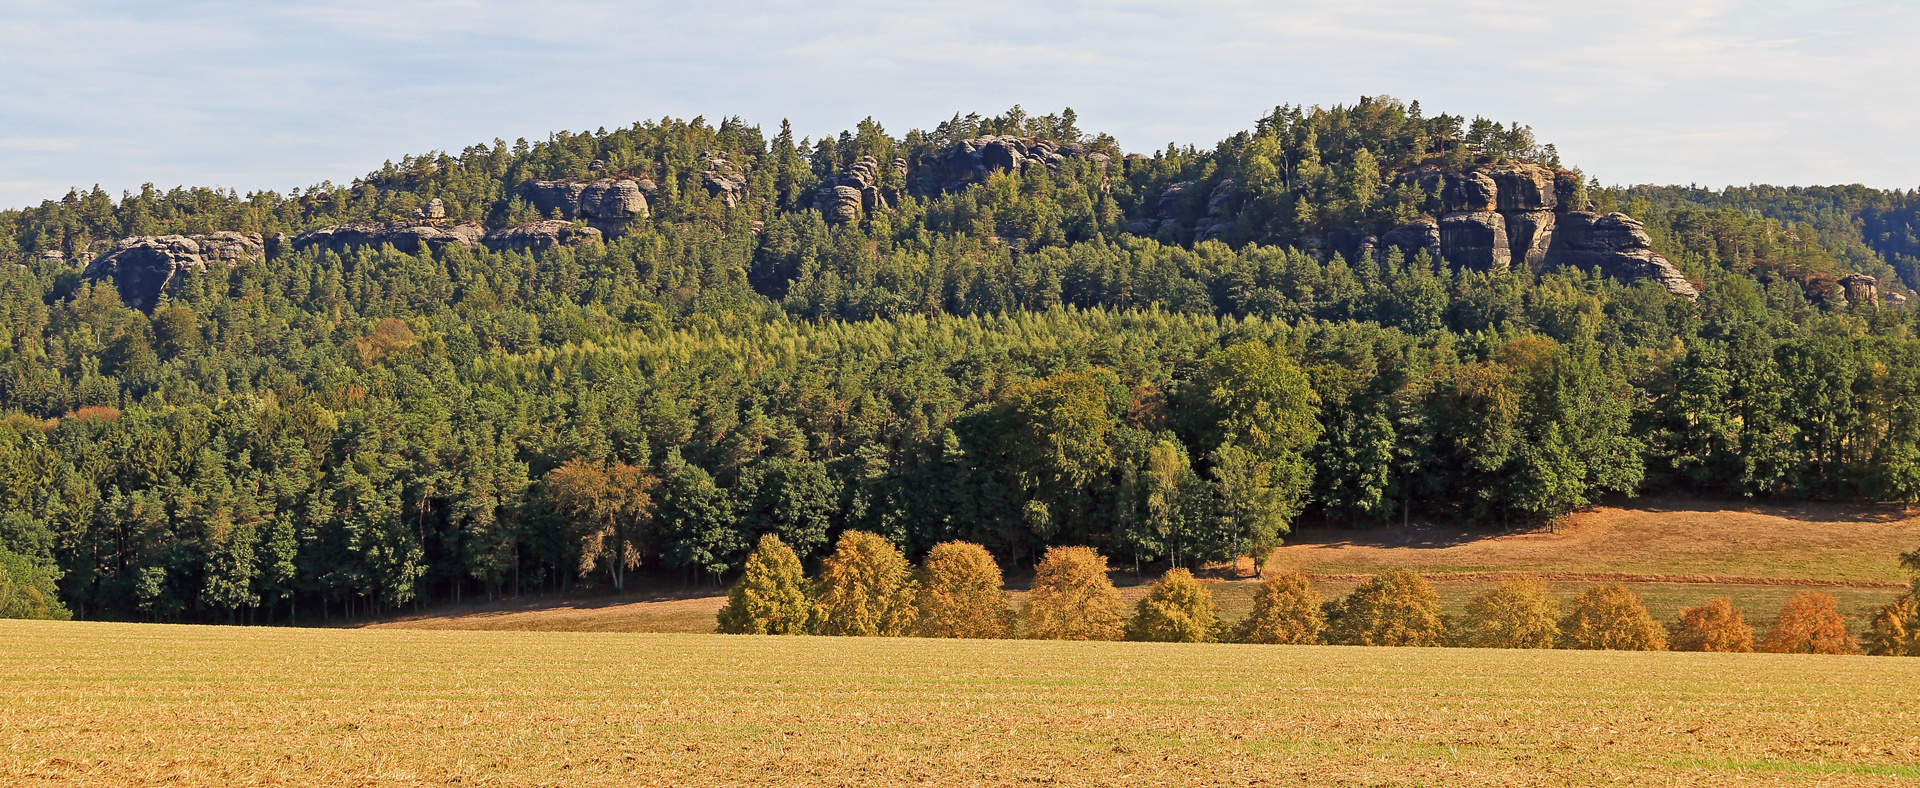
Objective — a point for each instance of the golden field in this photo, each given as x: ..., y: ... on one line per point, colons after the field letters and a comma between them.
x: 133, y: 704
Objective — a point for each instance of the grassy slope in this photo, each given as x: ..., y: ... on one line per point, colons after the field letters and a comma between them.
x: 134, y: 704
x: 1812, y: 542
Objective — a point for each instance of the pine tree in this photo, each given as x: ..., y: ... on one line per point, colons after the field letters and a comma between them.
x: 771, y: 596
x: 1285, y: 610
x: 1810, y: 623
x: 1714, y: 626
x: 1609, y: 617
x: 1072, y: 598
x: 1177, y: 610
x: 1516, y: 614
x: 865, y: 589
x: 960, y: 594
x: 1397, y: 608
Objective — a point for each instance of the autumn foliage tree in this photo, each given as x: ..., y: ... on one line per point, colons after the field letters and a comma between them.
x: 1285, y: 610
x: 960, y: 594
x: 771, y: 595
x: 1072, y: 599
x: 1610, y: 617
x: 1517, y: 614
x: 1714, y: 626
x: 1398, y: 608
x: 1810, y: 623
x: 865, y: 589
x: 1177, y: 610
x: 1895, y: 630
x: 609, y: 509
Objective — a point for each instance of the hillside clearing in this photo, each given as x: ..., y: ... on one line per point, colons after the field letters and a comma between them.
x: 134, y: 704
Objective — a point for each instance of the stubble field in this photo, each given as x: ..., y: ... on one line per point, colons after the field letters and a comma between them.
x: 132, y: 704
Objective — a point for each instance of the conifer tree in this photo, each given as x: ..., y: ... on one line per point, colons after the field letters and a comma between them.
x: 1177, y: 610
x: 865, y: 589
x: 771, y: 596
x: 1397, y: 608
x: 1610, y: 617
x: 960, y: 594
x: 1517, y: 614
x: 1285, y: 610
x: 1810, y: 623
x: 1072, y: 598
x: 1714, y: 626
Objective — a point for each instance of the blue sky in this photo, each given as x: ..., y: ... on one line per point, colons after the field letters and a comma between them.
x: 273, y: 96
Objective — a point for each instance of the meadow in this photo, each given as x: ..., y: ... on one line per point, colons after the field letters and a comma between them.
x: 136, y: 704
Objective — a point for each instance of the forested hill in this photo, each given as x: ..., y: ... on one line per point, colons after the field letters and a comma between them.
x: 636, y: 350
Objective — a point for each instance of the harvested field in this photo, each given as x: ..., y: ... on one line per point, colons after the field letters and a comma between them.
x: 134, y: 704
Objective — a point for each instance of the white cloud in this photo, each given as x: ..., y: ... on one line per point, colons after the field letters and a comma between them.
x: 253, y: 95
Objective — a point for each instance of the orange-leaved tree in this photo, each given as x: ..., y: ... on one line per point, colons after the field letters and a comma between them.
x: 1714, y: 626
x: 1895, y: 630
x: 865, y: 589
x: 1285, y: 610
x: 609, y: 511
x: 1177, y: 610
x: 1518, y: 613
x: 1398, y: 608
x: 1610, y: 617
x: 961, y: 594
x: 771, y: 595
x: 1071, y: 598
x: 1810, y: 623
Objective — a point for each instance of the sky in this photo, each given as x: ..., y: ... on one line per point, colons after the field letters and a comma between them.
x: 250, y: 95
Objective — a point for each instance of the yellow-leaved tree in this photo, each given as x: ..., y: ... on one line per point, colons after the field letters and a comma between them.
x: 1285, y: 610
x: 1071, y: 598
x: 1397, y: 608
x: 1810, y: 623
x: 771, y: 595
x: 1518, y: 613
x: 961, y: 594
x: 1177, y: 610
x: 1610, y: 617
x: 865, y: 589
x: 1714, y: 626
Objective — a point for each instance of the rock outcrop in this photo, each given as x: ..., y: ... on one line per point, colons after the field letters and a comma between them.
x: 856, y: 193
x: 409, y: 238
x: 976, y: 159
x: 142, y: 266
x: 723, y: 179
x: 1860, y: 288
x: 607, y: 204
x: 1498, y: 216
x: 540, y: 236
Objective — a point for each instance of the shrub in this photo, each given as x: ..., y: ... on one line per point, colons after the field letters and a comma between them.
x: 1072, y: 599
x: 1714, y: 626
x: 26, y: 591
x: 1609, y: 617
x: 771, y: 596
x: 1285, y: 610
x: 961, y: 595
x: 1177, y: 610
x: 1895, y: 631
x: 1810, y: 624
x: 1516, y: 614
x: 1398, y: 608
x: 865, y: 589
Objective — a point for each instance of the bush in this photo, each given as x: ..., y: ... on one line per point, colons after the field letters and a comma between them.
x: 1714, y: 626
x: 961, y: 595
x: 1285, y: 610
x: 1609, y: 617
x: 771, y: 596
x: 1072, y: 599
x: 1895, y: 631
x: 1516, y: 614
x: 1810, y: 624
x: 26, y: 590
x: 1398, y: 608
x: 865, y: 589
x: 1177, y: 610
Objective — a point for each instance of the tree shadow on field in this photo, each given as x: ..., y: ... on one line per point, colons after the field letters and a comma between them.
x: 1803, y: 511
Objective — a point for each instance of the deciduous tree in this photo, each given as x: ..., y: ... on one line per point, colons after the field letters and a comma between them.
x: 960, y: 594
x: 1516, y: 614
x: 865, y: 589
x: 1285, y: 610
x: 1610, y: 617
x: 1810, y: 623
x: 1396, y: 608
x: 770, y: 598
x: 1714, y: 626
x: 1177, y: 610
x: 1072, y: 598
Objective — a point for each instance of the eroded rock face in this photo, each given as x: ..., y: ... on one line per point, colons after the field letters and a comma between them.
x: 141, y: 266
x: 723, y: 179
x: 1618, y: 245
x: 540, y: 236
x: 1414, y: 237
x: 1476, y: 240
x: 976, y: 159
x: 409, y: 238
x: 608, y: 204
x: 1860, y: 288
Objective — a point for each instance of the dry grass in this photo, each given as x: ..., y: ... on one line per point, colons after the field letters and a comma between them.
x: 132, y: 704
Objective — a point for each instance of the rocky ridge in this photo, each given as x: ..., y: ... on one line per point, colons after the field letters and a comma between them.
x: 142, y: 265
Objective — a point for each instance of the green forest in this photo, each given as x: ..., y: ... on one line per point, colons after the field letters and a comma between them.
x: 1174, y: 357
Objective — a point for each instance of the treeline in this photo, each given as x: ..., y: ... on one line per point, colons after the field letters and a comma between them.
x: 867, y: 588
x: 1008, y: 364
